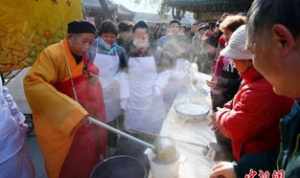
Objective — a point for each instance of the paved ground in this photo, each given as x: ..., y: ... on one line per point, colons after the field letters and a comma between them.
x: 36, y: 157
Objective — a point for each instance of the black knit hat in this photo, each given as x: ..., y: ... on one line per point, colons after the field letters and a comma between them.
x: 81, y: 27
x: 140, y: 24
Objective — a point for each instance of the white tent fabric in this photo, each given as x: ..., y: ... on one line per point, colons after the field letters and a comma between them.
x: 14, y: 159
x: 16, y: 89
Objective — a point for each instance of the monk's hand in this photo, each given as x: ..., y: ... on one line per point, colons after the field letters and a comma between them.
x: 85, y: 120
x: 223, y: 170
x: 83, y: 123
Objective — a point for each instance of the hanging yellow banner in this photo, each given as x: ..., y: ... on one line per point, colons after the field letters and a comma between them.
x: 28, y: 26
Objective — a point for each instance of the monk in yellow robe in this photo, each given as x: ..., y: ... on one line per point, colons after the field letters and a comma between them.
x: 62, y: 89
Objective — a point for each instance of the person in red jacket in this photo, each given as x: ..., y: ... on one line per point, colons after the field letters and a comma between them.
x: 251, y: 119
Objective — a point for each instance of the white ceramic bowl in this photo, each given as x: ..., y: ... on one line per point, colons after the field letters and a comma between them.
x: 191, y: 111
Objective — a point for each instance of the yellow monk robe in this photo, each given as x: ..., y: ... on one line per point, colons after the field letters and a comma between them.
x: 55, y: 115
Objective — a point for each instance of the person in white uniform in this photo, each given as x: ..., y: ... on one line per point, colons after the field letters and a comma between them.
x: 110, y: 58
x: 141, y: 98
x: 14, y: 158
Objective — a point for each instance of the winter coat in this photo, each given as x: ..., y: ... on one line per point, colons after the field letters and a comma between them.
x: 251, y: 119
x: 289, y: 156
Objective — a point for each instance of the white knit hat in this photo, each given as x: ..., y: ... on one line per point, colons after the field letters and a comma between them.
x: 236, y: 48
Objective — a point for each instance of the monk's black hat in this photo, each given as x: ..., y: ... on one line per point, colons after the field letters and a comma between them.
x: 81, y: 27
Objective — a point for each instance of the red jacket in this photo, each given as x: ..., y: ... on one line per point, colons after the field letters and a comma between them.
x: 251, y: 119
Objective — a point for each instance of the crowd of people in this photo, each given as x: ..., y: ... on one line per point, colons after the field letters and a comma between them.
x: 128, y: 75
x: 252, y: 124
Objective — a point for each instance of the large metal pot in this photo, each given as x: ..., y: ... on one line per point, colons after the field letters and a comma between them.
x: 119, y: 167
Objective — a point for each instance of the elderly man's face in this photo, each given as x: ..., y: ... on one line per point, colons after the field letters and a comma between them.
x: 81, y: 43
x: 277, y: 58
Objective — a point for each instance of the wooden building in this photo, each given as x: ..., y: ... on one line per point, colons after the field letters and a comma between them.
x: 206, y: 9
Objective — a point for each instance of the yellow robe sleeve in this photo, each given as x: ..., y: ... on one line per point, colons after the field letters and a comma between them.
x: 46, y: 102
